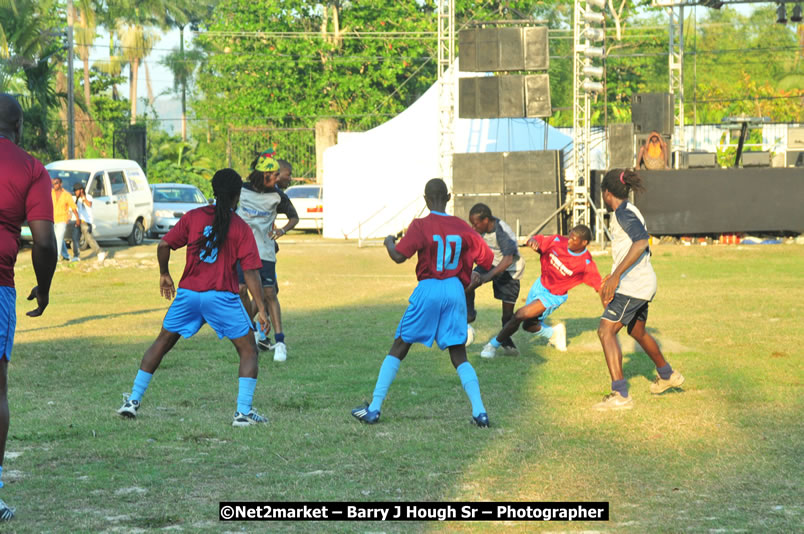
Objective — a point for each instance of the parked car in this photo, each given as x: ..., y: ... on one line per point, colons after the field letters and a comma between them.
x: 171, y: 201
x: 122, y: 205
x: 309, y: 203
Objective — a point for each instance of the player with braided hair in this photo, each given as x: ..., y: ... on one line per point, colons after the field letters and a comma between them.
x: 628, y: 290
x: 216, y: 239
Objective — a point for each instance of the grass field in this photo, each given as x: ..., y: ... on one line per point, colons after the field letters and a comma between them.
x: 724, y: 455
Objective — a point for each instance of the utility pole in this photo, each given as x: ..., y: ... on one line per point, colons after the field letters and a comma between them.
x: 70, y: 84
x: 183, y: 87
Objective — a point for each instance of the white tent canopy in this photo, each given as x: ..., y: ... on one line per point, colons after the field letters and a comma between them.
x: 375, y: 180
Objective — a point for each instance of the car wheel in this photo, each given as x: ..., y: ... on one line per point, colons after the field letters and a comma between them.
x: 137, y: 234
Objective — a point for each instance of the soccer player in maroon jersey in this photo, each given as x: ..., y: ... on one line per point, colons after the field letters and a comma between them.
x: 25, y: 194
x: 448, y: 248
x: 216, y: 239
x: 565, y: 264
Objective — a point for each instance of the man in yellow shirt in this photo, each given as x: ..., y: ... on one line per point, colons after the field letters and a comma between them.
x: 62, y: 205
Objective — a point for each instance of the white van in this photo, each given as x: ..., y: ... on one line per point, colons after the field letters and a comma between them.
x: 122, y: 205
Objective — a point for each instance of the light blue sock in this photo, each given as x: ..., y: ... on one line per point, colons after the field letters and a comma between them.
x: 387, y: 374
x: 472, y: 387
x: 140, y: 385
x: 494, y: 343
x: 546, y: 332
x: 1, y: 476
x: 245, y: 393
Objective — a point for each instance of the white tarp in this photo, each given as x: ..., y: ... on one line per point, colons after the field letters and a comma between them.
x: 374, y: 181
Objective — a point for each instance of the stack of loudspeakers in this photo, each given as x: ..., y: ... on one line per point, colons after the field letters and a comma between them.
x: 523, y: 187
x: 504, y: 50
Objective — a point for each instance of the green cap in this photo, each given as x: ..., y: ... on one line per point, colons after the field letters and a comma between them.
x: 266, y: 162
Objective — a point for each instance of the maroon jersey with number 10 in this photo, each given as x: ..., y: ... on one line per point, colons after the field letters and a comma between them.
x: 447, y: 247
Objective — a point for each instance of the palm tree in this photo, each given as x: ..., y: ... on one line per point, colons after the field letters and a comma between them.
x: 85, y: 33
x: 136, y: 42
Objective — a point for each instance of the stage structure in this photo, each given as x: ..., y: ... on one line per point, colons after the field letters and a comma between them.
x: 446, y: 88
x: 588, y: 77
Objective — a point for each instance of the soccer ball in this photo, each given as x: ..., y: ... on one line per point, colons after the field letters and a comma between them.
x: 470, y: 335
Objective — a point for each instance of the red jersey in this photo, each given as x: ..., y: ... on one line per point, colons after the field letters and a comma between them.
x: 24, y: 195
x: 563, y: 269
x: 447, y: 247
x: 217, y: 272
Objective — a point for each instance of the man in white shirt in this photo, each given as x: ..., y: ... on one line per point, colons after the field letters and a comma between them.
x: 84, y: 203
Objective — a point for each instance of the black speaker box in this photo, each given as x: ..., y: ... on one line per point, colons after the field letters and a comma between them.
x: 490, y: 97
x: 503, y: 49
x: 478, y: 173
x: 495, y: 202
x: 136, y: 145
x: 698, y: 160
x: 537, y: 56
x: 621, y: 145
x: 756, y: 159
x: 537, y: 96
x: 652, y: 112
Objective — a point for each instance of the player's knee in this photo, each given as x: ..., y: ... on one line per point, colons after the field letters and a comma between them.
x: 604, y: 331
x: 269, y: 292
x: 531, y: 325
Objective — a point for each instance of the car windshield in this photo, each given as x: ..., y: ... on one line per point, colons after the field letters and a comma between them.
x: 183, y: 195
x: 304, y: 192
x: 68, y: 178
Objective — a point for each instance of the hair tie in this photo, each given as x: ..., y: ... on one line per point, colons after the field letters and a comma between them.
x: 621, y: 177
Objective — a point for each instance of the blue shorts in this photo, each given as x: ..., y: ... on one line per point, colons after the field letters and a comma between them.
x: 267, y: 275
x: 221, y: 309
x: 437, y: 312
x: 8, y: 320
x: 550, y: 302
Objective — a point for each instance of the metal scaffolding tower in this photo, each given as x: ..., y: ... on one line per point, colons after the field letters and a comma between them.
x: 676, y: 55
x: 446, y: 87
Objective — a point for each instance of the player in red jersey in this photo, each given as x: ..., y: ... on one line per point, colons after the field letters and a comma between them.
x: 565, y: 264
x: 448, y: 248
x: 216, y: 239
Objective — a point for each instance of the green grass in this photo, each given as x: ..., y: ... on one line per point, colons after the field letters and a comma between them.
x: 724, y: 455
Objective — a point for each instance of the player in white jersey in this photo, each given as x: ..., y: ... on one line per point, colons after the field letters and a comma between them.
x: 627, y: 291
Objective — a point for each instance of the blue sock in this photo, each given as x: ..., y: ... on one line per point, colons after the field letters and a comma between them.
x: 620, y: 386
x: 494, y: 343
x: 665, y: 372
x: 471, y: 386
x: 140, y: 385
x: 280, y: 337
x: 390, y: 366
x: 245, y: 393
x: 545, y: 332
x: 1, y: 475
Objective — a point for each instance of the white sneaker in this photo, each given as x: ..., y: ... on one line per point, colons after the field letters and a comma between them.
x: 280, y: 352
x: 470, y: 335
x: 559, y: 337
x: 75, y: 258
x: 101, y: 256
x: 6, y: 511
x: 488, y: 351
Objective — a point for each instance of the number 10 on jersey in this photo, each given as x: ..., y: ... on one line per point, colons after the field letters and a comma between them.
x: 447, y: 258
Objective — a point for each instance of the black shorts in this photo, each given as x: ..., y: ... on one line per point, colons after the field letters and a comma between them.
x: 626, y: 310
x: 506, y: 288
x: 267, y: 275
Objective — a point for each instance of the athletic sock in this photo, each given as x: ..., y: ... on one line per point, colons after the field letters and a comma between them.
x: 140, y: 385
x: 471, y: 386
x: 620, y: 386
x: 1, y: 476
x: 545, y: 332
x: 280, y: 337
x: 387, y: 374
x: 245, y: 393
x: 665, y: 372
x: 494, y: 343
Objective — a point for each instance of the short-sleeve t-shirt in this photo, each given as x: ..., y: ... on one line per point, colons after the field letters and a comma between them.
x: 447, y: 247
x: 217, y: 271
x: 627, y: 226
x: 502, y: 242
x: 63, y: 205
x: 563, y: 269
x: 24, y: 195
x: 259, y: 211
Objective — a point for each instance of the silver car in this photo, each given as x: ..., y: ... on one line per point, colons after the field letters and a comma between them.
x: 171, y: 201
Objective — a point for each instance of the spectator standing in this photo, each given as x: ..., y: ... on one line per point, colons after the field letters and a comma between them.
x: 62, y: 206
x: 83, y: 202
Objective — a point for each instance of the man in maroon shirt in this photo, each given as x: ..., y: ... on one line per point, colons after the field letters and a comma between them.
x: 24, y: 194
x: 448, y: 248
x: 216, y: 239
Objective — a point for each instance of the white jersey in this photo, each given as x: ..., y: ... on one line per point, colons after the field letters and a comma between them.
x: 627, y: 226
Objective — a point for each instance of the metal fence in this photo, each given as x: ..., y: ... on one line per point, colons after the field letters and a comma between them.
x: 296, y: 145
